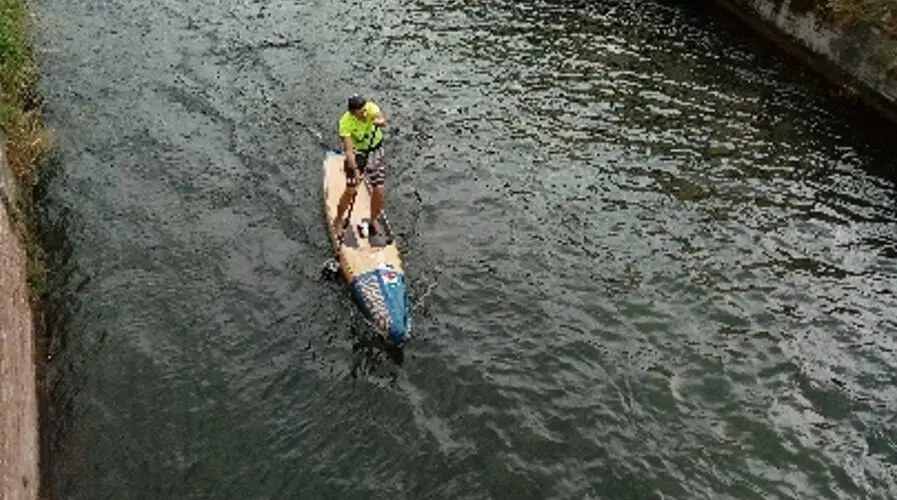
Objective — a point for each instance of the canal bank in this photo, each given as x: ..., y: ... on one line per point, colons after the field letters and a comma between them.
x: 19, y: 455
x: 24, y: 141
x: 853, y: 44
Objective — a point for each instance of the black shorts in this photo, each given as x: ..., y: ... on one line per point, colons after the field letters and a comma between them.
x: 374, y: 165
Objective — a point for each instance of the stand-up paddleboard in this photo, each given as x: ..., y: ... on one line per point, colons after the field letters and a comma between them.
x: 371, y: 265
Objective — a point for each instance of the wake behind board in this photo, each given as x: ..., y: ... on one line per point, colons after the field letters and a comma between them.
x: 370, y: 265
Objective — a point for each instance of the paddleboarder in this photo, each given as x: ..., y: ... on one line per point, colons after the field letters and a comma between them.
x: 361, y: 132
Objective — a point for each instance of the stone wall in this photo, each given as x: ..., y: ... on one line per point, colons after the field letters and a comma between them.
x: 860, y: 56
x: 19, y: 445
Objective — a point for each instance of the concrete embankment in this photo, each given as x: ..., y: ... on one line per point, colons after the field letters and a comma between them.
x: 23, y: 142
x: 854, y: 44
x: 19, y: 445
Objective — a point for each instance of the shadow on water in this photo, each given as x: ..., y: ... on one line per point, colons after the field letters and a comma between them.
x: 370, y: 351
x: 800, y: 86
x: 63, y: 362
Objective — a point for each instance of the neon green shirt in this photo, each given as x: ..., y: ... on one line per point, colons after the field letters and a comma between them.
x: 364, y: 134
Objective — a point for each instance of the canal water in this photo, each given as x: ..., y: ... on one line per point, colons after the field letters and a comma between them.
x: 650, y: 257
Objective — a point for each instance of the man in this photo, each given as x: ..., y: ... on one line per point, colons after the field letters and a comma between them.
x: 360, y: 128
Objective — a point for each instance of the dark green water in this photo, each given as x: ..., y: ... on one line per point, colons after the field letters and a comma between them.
x: 651, y: 259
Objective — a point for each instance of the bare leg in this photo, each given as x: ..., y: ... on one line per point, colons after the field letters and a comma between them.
x: 376, y: 207
x: 342, y: 207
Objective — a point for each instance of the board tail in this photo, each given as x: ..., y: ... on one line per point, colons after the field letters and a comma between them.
x: 383, y: 296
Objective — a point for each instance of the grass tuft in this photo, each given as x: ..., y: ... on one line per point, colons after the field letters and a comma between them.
x: 26, y: 141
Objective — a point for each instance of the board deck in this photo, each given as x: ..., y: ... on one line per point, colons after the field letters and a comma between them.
x: 372, y: 266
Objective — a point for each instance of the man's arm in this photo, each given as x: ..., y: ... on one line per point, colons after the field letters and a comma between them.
x: 375, y: 111
x: 349, y: 151
x: 345, y: 135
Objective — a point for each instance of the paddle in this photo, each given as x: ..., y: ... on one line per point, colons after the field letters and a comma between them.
x: 330, y: 266
x: 355, y: 195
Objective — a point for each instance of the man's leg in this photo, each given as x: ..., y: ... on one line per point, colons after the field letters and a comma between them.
x: 376, y: 173
x: 348, y: 194
x: 342, y: 207
x: 377, y: 206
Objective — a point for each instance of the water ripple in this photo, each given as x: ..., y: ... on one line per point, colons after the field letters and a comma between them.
x: 660, y: 260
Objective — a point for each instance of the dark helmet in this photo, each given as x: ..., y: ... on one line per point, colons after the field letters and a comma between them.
x: 356, y: 102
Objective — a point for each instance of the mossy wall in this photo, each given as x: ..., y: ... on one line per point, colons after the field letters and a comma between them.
x: 852, y: 42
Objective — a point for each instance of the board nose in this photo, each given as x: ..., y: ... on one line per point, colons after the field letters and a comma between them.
x: 399, y: 308
x: 400, y: 331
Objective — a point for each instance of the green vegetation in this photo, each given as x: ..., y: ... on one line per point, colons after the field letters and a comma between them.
x: 26, y: 139
x: 880, y: 12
